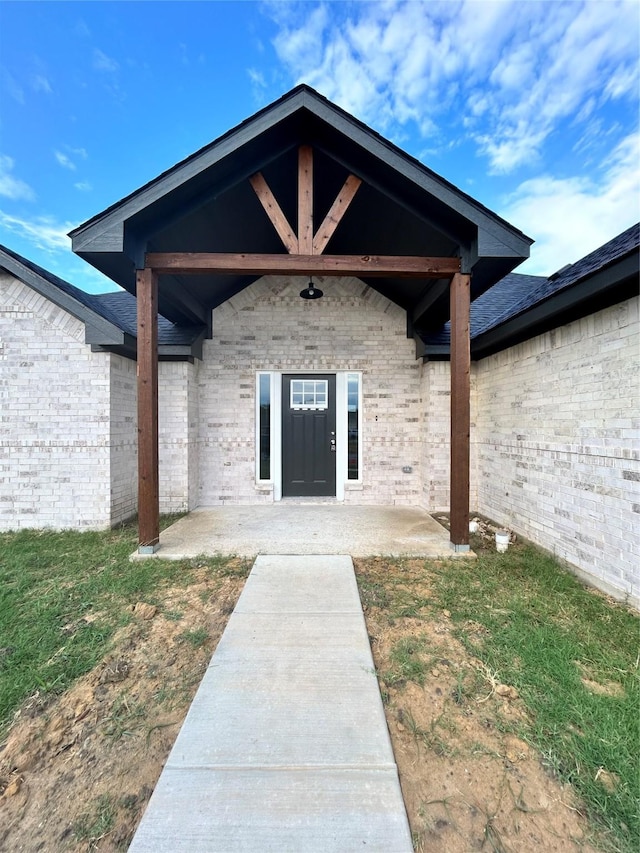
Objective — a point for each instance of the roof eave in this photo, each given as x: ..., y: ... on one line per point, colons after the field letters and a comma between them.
x: 495, y: 237
x: 97, y: 328
x: 618, y: 279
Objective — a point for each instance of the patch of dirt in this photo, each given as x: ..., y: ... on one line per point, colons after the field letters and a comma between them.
x: 468, y: 784
x: 76, y: 772
x: 603, y: 687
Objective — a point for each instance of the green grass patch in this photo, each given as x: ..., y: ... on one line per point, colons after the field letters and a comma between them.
x: 95, y: 825
x: 195, y: 638
x: 573, y: 656
x: 63, y: 596
x: 407, y: 662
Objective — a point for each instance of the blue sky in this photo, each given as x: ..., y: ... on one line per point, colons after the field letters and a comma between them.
x: 531, y: 107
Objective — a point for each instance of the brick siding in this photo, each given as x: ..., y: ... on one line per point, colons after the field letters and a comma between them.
x: 557, y: 444
x: 268, y: 327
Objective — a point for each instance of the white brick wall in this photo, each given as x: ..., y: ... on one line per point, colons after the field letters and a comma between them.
x: 177, y: 434
x: 558, y: 444
x: 436, y: 452
x: 54, y: 416
x: 268, y: 327
x: 436, y: 417
x: 123, y: 438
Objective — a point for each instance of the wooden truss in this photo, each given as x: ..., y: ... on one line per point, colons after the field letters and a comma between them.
x: 305, y: 256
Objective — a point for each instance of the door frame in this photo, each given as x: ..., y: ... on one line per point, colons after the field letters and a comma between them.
x: 309, y: 440
x: 341, y: 428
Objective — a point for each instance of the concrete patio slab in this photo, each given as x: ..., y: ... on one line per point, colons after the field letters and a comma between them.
x: 305, y: 528
x: 285, y: 747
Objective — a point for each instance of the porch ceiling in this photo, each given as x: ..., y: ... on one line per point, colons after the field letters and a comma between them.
x: 206, y: 204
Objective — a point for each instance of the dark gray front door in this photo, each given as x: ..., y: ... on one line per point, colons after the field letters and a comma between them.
x: 308, y: 435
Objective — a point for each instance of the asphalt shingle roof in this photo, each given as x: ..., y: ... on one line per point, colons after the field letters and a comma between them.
x: 516, y: 293
x: 89, y: 300
x: 119, y: 307
x: 597, y: 260
x: 123, y: 306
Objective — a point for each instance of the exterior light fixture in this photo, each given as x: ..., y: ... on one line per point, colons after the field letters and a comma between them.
x: 311, y: 292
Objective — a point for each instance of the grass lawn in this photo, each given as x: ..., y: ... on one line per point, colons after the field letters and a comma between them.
x: 62, y: 598
x: 571, y: 654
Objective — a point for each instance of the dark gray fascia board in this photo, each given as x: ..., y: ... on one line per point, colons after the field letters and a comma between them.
x: 88, y: 236
x: 126, y: 350
x: 174, y: 352
x: 435, y: 352
x: 166, y: 352
x: 539, y: 318
x: 95, y: 335
x: 106, y: 231
x: 98, y: 330
x: 515, y: 242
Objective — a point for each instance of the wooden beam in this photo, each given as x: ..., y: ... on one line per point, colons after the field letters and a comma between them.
x: 274, y: 212
x: 148, y: 491
x: 337, y: 211
x: 305, y: 200
x: 397, y: 266
x: 460, y: 411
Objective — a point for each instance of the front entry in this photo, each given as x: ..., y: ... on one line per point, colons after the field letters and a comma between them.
x: 309, y: 435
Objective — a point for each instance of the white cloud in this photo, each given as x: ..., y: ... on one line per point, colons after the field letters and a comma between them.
x: 257, y: 78
x: 13, y: 88
x: 83, y: 186
x: 508, y: 71
x: 102, y: 62
x: 78, y: 152
x: 64, y: 161
x: 570, y: 217
x: 10, y: 186
x: 44, y: 232
x: 40, y: 83
x: 81, y: 29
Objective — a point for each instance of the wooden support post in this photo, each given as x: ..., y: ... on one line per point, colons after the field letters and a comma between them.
x: 305, y: 200
x: 148, y: 491
x: 460, y: 411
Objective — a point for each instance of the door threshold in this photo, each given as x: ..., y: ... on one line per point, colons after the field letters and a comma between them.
x: 311, y: 499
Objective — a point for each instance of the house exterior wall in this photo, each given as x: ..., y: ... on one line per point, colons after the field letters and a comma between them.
x: 54, y: 416
x: 435, y: 385
x: 558, y: 444
x: 123, y: 456
x: 269, y: 327
x: 436, y: 420
x: 177, y: 436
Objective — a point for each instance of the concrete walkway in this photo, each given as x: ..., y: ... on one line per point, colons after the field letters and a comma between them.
x: 306, y: 528
x: 285, y: 747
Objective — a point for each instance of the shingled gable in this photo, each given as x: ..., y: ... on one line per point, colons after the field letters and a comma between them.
x: 109, y: 318
x: 206, y: 204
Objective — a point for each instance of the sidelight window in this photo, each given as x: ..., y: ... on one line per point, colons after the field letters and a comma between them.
x: 353, y: 426
x: 263, y: 423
